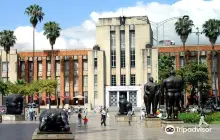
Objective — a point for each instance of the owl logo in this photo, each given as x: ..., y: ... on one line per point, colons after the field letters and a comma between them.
x: 169, y: 129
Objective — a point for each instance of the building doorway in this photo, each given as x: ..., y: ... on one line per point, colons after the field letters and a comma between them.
x: 123, y: 93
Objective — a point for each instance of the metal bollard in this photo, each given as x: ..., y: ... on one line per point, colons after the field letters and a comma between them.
x: 0, y: 118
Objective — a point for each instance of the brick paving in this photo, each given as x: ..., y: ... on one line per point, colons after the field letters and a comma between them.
x: 113, y: 131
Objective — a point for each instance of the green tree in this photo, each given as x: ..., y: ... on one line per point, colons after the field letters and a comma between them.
x: 183, y: 28
x: 211, y: 30
x: 194, y: 73
x: 165, y: 64
x: 36, y: 15
x: 4, y: 90
x: 52, y: 32
x: 48, y: 86
x: 7, y: 40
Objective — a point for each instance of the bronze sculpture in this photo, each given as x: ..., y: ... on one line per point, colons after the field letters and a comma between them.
x: 54, y: 120
x: 14, y: 104
x: 151, y: 96
x: 124, y: 105
x: 173, y: 87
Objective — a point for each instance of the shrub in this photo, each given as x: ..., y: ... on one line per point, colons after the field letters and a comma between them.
x: 195, y: 117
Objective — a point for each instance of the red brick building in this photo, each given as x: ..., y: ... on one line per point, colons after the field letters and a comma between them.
x: 71, y: 66
x: 176, y: 52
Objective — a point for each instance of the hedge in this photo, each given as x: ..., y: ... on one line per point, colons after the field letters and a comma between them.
x: 195, y: 117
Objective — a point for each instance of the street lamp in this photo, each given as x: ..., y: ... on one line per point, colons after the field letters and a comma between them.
x: 157, y: 26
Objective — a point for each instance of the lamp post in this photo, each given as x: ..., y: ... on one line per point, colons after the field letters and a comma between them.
x: 157, y: 25
x: 198, y: 49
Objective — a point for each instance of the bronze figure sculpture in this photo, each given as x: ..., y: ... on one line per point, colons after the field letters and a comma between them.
x: 173, y: 87
x: 54, y: 120
x: 124, y: 105
x: 151, y: 91
x: 14, y: 104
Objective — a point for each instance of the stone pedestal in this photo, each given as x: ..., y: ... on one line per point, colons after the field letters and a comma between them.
x: 13, y: 117
x: 152, y: 122
x: 124, y: 118
x: 175, y: 123
x: 52, y: 136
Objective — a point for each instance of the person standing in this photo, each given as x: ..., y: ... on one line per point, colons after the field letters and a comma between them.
x: 80, y: 119
x: 85, y: 121
x: 202, y: 119
x: 31, y: 113
x: 103, y: 117
x: 130, y: 113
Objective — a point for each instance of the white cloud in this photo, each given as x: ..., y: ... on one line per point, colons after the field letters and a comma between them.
x: 83, y: 36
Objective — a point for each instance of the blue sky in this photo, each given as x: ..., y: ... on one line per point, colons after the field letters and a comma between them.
x: 67, y: 13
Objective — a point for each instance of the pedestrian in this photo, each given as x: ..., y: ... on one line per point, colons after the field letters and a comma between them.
x: 86, y: 112
x: 130, y: 113
x: 35, y: 115
x: 69, y: 112
x: 31, y: 113
x: 80, y: 119
x: 103, y: 117
x: 142, y: 115
x: 202, y: 119
x: 85, y: 121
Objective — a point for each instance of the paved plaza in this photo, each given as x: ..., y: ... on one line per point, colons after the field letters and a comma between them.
x: 113, y: 131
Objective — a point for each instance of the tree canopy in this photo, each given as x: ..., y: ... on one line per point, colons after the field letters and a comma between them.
x: 7, y: 40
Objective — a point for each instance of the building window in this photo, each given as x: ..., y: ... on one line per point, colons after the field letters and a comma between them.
x: 57, y: 66
x: 31, y: 66
x: 148, y: 61
x: 132, y: 80
x: 95, y: 80
x: 76, y: 93
x: 96, y: 94
x: 113, y: 80
x: 48, y: 66
x: 85, y: 80
x: 66, y: 81
x: 123, y: 80
x: 181, y: 61
x: 85, y: 65
x: 58, y: 84
x: 132, y: 57
x: 113, y: 59
x: 112, y: 40
x: 39, y: 66
x: 95, y: 63
x: 203, y: 59
x: 4, y: 79
x: 75, y: 81
x: 132, y: 39
x: 4, y: 67
x: 75, y: 65
x: 66, y: 65
x: 85, y: 94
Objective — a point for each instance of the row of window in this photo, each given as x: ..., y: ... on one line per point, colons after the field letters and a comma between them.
x: 123, y: 80
x: 122, y: 47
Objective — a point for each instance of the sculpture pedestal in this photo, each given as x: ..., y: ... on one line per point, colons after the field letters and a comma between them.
x: 13, y: 117
x: 175, y: 123
x: 152, y: 122
x: 124, y: 118
x: 52, y: 136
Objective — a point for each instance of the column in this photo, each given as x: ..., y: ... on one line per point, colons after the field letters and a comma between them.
x: 35, y: 75
x: 118, y: 56
x: 107, y: 99
x: 71, y: 73
x: 19, y: 68
x: 80, y: 78
x: 178, y: 61
x: 127, y: 55
x: 128, y: 96
x: 26, y: 76
x: 218, y: 71
x: 117, y: 98
x: 61, y: 80
x: 44, y: 76
x: 209, y: 65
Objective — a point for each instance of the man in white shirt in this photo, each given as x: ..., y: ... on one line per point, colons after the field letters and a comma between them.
x: 103, y: 117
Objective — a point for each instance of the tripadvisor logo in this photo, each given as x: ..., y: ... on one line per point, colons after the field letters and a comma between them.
x: 170, y: 129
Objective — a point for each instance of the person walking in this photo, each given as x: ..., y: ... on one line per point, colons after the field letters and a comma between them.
x: 142, y: 115
x: 103, y: 117
x: 31, y: 113
x: 130, y: 113
x: 69, y: 112
x: 80, y: 119
x: 202, y: 119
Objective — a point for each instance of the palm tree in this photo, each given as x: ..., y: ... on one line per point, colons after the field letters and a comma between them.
x: 211, y: 31
x: 183, y: 28
x: 7, y: 40
x: 52, y: 32
x: 36, y: 15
